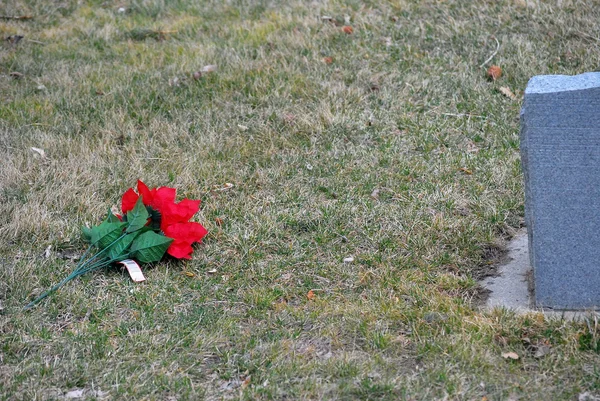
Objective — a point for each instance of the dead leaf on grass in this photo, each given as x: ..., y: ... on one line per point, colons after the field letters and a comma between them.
x: 39, y: 152
x: 505, y: 90
x: 465, y: 170
x: 328, y: 60
x: 349, y: 259
x: 16, y: 75
x: 494, y: 72
x: 542, y: 351
x: 510, y: 355
x: 347, y: 29
x: 212, y: 271
x: 189, y: 274
x: 208, y: 68
x: 74, y: 394
x: 224, y: 187
x: 310, y: 295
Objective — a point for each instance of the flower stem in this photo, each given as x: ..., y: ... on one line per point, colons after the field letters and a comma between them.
x: 84, y: 266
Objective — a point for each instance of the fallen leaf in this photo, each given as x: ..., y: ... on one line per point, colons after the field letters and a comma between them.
x: 510, y: 355
x: 189, y: 274
x: 347, y: 29
x: 246, y: 381
x: 208, y: 68
x: 465, y: 170
x: 74, y: 394
x: 212, y: 271
x: 505, y: 90
x: 219, y: 221
x: 16, y: 75
x: 494, y: 72
x: 328, y: 60
x: 39, y: 152
x: 349, y: 259
x: 224, y: 187
x: 542, y: 351
x: 310, y: 295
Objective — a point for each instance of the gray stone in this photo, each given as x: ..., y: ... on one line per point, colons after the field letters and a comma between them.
x: 560, y: 151
x: 510, y: 288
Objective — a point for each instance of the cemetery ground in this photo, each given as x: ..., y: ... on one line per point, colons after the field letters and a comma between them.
x: 356, y: 183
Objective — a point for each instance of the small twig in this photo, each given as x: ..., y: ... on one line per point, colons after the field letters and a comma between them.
x: 212, y: 303
x: 462, y: 115
x: 35, y: 41
x: 493, y: 54
x: 22, y: 17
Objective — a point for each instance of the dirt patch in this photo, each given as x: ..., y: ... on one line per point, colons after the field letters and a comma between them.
x: 493, y: 256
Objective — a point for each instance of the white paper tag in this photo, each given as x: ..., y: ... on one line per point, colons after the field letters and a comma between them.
x: 134, y: 270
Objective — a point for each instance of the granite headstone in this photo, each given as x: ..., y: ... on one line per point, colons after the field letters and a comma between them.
x: 560, y: 152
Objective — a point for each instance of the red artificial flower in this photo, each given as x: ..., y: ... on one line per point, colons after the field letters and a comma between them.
x: 174, y: 217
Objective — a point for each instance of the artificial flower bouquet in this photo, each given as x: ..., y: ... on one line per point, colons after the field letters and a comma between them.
x: 152, y: 224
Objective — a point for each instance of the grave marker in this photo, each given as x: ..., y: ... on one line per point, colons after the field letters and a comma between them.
x: 560, y: 152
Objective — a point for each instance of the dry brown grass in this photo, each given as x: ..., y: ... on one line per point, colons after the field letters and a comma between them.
x: 361, y: 157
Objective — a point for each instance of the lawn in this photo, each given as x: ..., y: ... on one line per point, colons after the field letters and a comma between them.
x: 356, y: 184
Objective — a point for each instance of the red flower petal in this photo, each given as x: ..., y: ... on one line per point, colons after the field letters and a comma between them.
x: 128, y: 201
x: 146, y: 194
x: 163, y: 196
x: 179, y: 212
x: 188, y: 232
x: 180, y: 250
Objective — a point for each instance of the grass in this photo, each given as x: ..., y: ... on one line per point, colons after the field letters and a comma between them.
x: 398, y: 153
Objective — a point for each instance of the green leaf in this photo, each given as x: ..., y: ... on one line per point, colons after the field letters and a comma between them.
x: 106, y: 233
x: 138, y: 217
x: 121, y: 247
x: 111, y: 218
x: 87, y: 233
x: 149, y: 247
